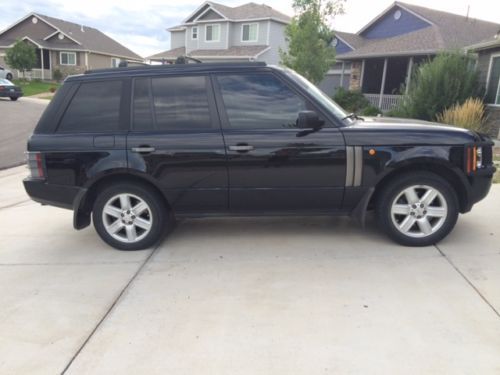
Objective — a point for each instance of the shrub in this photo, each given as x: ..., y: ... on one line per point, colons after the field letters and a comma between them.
x: 53, y: 89
x: 57, y: 75
x: 448, y: 79
x: 370, y: 111
x: 351, y: 101
x: 469, y: 115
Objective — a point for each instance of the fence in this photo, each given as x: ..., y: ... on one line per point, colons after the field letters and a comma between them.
x: 388, y: 101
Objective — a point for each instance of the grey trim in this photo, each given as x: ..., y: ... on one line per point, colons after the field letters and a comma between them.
x: 358, y: 165
x: 349, y: 165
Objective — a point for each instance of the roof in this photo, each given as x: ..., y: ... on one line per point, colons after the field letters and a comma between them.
x: 248, y: 11
x: 79, y: 37
x: 446, y: 31
x: 488, y: 43
x: 231, y: 52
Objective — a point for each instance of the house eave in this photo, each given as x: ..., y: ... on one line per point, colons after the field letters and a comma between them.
x: 381, y: 55
x: 484, y: 45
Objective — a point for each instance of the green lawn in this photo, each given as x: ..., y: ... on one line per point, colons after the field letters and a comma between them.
x: 35, y: 87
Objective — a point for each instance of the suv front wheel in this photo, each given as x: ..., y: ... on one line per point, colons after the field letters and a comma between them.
x: 129, y: 216
x: 417, y: 209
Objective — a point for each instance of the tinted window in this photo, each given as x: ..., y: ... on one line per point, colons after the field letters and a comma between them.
x: 180, y: 103
x: 143, y: 105
x: 259, y: 101
x: 94, y: 108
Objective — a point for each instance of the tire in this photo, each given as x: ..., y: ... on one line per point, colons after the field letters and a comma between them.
x: 125, y: 225
x: 13, y: 98
x: 417, y: 209
x: 9, y: 76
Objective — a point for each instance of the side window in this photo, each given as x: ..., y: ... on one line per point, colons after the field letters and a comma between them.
x: 259, y: 101
x: 94, y: 108
x: 179, y: 103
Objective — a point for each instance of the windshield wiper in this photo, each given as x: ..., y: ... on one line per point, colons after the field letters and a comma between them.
x: 353, y: 116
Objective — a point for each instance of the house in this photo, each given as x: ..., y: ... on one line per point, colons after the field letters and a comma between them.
x: 66, y: 46
x: 488, y: 64
x: 380, y: 57
x: 215, y: 32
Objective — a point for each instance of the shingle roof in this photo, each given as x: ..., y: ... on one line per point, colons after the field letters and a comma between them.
x: 354, y: 40
x: 249, y: 10
x: 231, y: 52
x: 447, y: 31
x: 90, y: 38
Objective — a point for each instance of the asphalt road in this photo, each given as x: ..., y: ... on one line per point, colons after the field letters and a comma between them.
x: 17, y: 121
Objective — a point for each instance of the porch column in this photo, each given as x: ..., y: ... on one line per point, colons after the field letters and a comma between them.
x: 408, y: 74
x: 50, y: 64
x: 342, y: 75
x: 43, y: 68
x: 382, y: 86
x: 362, y: 76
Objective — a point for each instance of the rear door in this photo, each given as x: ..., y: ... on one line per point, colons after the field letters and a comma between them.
x: 176, y: 139
x: 273, y: 165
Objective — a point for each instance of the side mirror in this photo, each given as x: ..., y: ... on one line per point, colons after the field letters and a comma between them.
x: 309, y: 120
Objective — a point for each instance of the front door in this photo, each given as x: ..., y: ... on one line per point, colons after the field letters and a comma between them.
x: 176, y: 139
x: 273, y: 165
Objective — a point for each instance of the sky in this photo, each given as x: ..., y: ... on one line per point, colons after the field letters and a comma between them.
x: 141, y: 25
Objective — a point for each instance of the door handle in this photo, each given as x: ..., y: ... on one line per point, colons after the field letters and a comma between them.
x: 241, y: 148
x: 143, y: 149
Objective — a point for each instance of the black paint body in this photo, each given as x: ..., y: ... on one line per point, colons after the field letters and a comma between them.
x: 286, y: 172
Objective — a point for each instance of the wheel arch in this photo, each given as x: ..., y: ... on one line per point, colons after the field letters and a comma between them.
x: 450, y: 173
x: 82, y: 206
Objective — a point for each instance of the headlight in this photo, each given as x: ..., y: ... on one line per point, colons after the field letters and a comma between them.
x: 479, y: 157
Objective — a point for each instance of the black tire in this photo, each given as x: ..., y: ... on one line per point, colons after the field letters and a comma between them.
x: 9, y: 76
x: 158, y: 212
x: 395, y: 187
x: 14, y: 98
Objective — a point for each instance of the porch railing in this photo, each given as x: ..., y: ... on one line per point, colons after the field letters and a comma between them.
x: 36, y: 74
x: 388, y: 101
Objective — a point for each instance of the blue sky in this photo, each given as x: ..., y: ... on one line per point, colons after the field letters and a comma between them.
x: 140, y: 25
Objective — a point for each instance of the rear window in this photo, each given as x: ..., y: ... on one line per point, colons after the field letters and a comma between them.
x: 94, y: 108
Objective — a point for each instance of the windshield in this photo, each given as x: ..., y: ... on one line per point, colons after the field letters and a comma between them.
x: 324, y: 99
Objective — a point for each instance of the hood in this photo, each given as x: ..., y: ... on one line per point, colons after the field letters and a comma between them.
x: 399, y: 131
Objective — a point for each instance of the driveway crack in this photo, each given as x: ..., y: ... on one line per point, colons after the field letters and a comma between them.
x: 497, y: 313
x: 109, y: 310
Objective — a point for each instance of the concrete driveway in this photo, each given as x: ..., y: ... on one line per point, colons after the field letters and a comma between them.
x: 246, y: 296
x: 17, y: 121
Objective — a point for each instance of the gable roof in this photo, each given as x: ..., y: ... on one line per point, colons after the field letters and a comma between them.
x: 82, y: 38
x: 446, y: 31
x: 242, y: 12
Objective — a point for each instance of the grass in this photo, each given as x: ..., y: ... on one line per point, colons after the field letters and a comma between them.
x: 35, y: 86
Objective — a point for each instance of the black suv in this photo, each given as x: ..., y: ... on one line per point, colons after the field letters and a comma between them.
x: 137, y: 147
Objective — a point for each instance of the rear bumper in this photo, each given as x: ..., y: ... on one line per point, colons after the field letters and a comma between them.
x: 50, y: 194
x: 7, y: 94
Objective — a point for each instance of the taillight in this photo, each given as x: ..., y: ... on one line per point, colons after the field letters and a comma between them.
x: 35, y: 165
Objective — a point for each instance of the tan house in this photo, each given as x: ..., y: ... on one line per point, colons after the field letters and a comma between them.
x: 66, y: 46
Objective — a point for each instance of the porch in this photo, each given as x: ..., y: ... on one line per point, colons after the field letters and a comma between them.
x: 385, y: 81
x: 42, y: 69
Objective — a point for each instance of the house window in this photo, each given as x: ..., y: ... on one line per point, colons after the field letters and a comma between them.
x: 67, y: 58
x: 493, y: 90
x: 115, y: 62
x: 194, y: 33
x: 212, y: 33
x: 249, y: 32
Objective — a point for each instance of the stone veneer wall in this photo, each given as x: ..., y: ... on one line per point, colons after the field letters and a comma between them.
x: 493, y: 121
x: 355, y: 81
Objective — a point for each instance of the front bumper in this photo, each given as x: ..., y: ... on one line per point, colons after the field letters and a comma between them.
x: 50, y: 194
x: 480, y: 184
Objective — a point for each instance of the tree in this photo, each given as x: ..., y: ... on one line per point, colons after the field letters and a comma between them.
x: 22, y: 56
x: 447, y: 80
x: 309, y: 37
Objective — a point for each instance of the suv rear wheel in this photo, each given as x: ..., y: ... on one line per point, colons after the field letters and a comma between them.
x: 417, y: 209
x: 129, y: 216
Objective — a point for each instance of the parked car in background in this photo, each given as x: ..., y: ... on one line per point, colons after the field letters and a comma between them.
x: 5, y: 73
x: 9, y: 90
x: 134, y: 147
